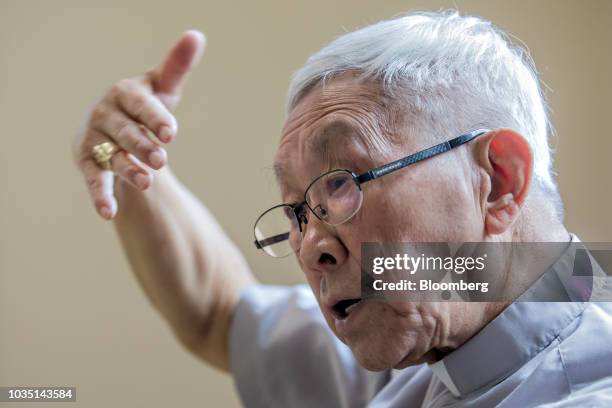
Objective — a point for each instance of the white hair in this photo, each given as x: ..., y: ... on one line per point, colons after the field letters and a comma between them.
x: 452, y: 74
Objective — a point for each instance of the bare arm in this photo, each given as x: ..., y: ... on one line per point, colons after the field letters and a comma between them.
x: 185, y: 263
x: 187, y: 266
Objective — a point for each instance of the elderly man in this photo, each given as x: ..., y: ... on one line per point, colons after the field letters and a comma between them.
x: 387, y: 92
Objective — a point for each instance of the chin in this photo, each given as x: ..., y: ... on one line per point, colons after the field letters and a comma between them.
x: 379, y: 344
x: 380, y: 357
x: 384, y: 341
x: 372, y: 360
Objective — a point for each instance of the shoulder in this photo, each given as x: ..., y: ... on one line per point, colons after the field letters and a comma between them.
x: 282, y: 353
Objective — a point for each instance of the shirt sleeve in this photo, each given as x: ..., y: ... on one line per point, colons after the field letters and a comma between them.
x: 283, y: 354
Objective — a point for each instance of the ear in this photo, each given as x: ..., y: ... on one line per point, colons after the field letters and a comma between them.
x: 507, y: 161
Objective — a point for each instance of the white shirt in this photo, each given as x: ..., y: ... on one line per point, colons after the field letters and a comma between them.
x: 283, y: 354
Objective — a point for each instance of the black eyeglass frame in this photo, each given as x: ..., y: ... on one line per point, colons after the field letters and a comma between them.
x: 377, y: 172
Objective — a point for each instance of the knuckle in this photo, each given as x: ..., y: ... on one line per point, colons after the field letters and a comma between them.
x: 143, y: 147
x: 94, y: 183
x: 80, y: 157
x: 153, y: 118
x: 98, y: 113
x: 149, y: 75
x: 124, y: 88
x: 130, y: 172
x: 123, y: 130
x: 139, y: 104
x: 122, y: 166
x: 133, y: 139
x: 115, y: 91
x: 119, y: 88
x: 126, y: 133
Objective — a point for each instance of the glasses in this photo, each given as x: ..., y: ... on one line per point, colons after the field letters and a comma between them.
x: 334, y: 198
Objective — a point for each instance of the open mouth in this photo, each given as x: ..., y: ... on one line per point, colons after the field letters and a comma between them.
x: 343, y: 308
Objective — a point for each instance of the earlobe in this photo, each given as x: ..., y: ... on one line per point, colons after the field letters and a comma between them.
x: 501, y: 214
x: 507, y: 161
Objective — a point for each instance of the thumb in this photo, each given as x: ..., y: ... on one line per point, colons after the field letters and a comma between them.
x: 170, y: 75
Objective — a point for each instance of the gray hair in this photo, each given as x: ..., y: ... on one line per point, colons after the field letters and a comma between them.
x: 451, y: 73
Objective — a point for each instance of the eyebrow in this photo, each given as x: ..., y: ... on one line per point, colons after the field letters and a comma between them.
x: 278, y: 171
x: 321, y: 141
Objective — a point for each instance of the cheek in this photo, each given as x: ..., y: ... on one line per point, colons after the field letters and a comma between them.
x: 388, y: 213
x: 313, y: 278
x: 426, y: 207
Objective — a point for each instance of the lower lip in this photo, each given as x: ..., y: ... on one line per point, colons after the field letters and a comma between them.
x: 346, y: 325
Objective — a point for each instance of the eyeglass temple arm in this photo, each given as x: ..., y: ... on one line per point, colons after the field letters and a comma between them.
x: 417, y: 157
x: 272, y: 240
x: 390, y: 168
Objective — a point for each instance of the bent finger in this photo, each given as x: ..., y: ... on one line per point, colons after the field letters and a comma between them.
x: 131, y: 170
x: 100, y: 186
x: 131, y: 137
x: 138, y: 102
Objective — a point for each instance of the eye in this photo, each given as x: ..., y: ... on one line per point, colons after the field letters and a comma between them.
x: 321, y: 212
x: 336, y: 183
x: 288, y: 211
x: 295, y: 213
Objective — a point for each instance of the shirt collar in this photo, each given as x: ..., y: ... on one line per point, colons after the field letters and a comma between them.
x: 516, y: 335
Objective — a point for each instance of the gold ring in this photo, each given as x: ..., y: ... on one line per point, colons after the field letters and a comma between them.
x: 103, y: 153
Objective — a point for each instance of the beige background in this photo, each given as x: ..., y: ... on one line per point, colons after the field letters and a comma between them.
x: 70, y: 311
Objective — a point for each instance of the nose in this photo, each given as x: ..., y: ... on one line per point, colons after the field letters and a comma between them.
x: 321, y: 249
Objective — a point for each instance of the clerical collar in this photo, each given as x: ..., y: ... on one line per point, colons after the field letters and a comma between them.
x: 521, y: 331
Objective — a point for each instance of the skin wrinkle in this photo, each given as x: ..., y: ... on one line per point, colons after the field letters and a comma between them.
x: 324, y: 143
x: 322, y: 110
x: 367, y: 109
x: 320, y: 142
x: 442, y: 199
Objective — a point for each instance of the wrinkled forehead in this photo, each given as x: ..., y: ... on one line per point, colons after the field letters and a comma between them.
x: 344, y: 118
x: 348, y: 94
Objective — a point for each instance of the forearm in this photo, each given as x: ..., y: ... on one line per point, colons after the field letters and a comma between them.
x: 187, y: 266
